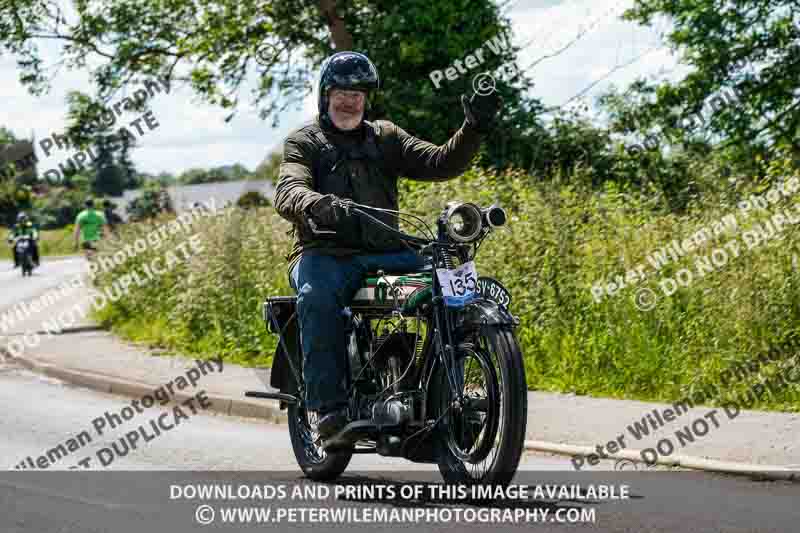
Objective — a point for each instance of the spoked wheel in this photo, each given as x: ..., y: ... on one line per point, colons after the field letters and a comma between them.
x: 316, y: 463
x: 481, y: 440
x: 472, y: 425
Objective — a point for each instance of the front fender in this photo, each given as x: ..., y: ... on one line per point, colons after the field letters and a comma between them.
x: 483, y: 312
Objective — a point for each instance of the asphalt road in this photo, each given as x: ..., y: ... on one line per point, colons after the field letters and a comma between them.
x: 14, y: 288
x: 147, y: 488
x: 45, y: 412
x: 132, y: 491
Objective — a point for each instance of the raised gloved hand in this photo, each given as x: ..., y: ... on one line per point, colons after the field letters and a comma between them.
x: 481, y: 110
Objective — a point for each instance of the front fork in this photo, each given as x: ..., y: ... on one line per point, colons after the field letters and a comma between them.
x: 444, y: 342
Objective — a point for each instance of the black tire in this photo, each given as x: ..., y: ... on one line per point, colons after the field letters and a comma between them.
x: 507, y: 433
x: 315, y: 463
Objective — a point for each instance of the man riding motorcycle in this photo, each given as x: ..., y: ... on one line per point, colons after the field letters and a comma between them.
x: 24, y: 226
x: 341, y: 155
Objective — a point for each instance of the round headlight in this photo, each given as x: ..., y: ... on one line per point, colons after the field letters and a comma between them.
x: 463, y: 222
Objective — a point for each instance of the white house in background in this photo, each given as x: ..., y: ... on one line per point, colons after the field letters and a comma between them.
x: 184, y: 196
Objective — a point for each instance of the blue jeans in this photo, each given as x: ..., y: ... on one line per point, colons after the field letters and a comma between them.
x: 325, y: 285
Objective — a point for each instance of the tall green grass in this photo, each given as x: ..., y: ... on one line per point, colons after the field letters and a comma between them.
x: 558, y: 243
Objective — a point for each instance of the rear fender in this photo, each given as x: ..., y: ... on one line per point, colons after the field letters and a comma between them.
x: 281, y: 311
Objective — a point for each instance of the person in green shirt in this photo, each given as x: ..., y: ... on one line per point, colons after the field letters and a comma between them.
x: 89, y: 226
x: 24, y: 226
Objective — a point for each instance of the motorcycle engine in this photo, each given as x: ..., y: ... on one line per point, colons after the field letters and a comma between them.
x: 394, y: 360
x: 393, y: 354
x: 392, y: 412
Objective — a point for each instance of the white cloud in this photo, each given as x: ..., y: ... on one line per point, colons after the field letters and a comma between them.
x: 604, y: 48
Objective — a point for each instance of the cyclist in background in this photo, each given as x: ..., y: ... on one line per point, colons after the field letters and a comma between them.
x: 89, y: 228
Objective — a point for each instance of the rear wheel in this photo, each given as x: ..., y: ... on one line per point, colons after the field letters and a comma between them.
x: 481, y: 441
x: 316, y: 463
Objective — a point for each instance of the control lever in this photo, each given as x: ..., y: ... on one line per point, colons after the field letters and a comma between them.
x: 315, y: 229
x: 345, y: 205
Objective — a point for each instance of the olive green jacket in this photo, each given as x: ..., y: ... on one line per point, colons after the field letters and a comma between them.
x: 367, y: 181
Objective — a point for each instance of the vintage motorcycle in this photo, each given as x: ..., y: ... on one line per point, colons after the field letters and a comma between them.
x: 23, y: 247
x: 436, y: 373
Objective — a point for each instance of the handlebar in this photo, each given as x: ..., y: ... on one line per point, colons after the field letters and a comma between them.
x: 358, y: 209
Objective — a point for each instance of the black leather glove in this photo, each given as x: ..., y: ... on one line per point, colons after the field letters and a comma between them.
x: 481, y: 110
x: 326, y: 210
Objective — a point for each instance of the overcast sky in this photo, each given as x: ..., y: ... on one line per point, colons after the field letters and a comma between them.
x: 195, y: 135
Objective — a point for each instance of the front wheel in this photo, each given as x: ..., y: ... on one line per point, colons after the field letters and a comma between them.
x: 315, y: 463
x: 481, y: 440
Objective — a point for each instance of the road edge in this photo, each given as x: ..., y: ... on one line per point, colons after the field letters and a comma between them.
x: 270, y: 411
x: 628, y: 459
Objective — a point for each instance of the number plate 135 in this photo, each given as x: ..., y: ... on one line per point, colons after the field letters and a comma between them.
x: 459, y: 284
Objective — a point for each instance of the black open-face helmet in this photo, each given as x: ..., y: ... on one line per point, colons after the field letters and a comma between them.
x: 346, y: 70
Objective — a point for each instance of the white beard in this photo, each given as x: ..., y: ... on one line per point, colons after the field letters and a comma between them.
x: 345, y: 121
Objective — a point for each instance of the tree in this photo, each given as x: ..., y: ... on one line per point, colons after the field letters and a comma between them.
x: 126, y: 166
x: 109, y: 178
x: 14, y: 197
x: 17, y: 158
x: 165, y: 179
x: 194, y: 176
x: 238, y: 172
x: 91, y: 125
x: 214, y: 48
x: 153, y: 200
x: 8, y: 202
x: 7, y: 136
x: 252, y: 199
x: 233, y: 172
x: 746, y: 71
x: 269, y: 167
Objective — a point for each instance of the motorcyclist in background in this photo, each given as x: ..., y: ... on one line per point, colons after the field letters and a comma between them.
x: 341, y: 155
x: 24, y: 226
